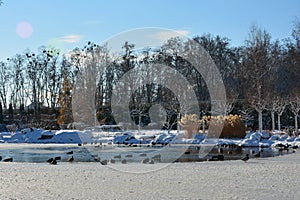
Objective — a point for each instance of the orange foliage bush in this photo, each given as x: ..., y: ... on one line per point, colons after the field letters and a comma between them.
x: 190, y: 123
x: 233, y: 126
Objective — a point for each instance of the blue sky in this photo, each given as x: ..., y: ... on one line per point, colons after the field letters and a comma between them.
x: 70, y: 23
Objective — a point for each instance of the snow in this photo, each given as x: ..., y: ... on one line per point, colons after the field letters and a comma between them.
x: 256, y: 179
x: 149, y: 137
x: 268, y: 178
x: 34, y: 135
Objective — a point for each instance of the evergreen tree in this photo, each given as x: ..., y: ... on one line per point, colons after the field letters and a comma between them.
x: 65, y: 102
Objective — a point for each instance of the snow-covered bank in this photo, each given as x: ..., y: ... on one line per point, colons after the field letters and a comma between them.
x: 41, y: 136
x: 264, y: 178
x: 153, y: 137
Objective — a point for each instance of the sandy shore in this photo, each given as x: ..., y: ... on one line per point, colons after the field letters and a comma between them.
x: 265, y: 178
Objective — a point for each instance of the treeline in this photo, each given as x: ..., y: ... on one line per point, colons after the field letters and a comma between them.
x: 32, y: 79
x: 261, y: 80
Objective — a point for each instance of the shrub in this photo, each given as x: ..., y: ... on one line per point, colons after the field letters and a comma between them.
x: 233, y: 126
x: 191, y: 124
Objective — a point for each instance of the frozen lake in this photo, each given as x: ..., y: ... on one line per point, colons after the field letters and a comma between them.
x: 39, y: 153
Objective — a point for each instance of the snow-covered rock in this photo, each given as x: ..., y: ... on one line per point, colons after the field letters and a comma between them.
x: 249, y: 143
x: 264, y: 135
x: 32, y: 135
x: 274, y: 137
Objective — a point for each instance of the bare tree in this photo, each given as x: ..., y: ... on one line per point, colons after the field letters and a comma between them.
x: 276, y: 105
x: 50, y: 77
x: 89, y: 61
x: 246, y: 113
x: 32, y: 78
x: 17, y: 81
x: 4, y: 82
x: 227, y: 105
x: 279, y: 105
x: 293, y: 62
x: 295, y: 108
x: 259, y: 105
x: 256, y: 63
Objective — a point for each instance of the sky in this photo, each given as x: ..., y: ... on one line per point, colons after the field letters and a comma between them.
x: 66, y: 24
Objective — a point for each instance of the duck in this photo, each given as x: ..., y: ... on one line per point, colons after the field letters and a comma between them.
x: 104, y: 162
x: 57, y: 158
x: 50, y: 160
x: 8, y: 159
x: 123, y: 161
x: 151, y: 161
x: 280, y: 145
x: 246, y: 158
x: 70, y: 152
x: 144, y: 161
x: 53, y: 162
x: 71, y: 159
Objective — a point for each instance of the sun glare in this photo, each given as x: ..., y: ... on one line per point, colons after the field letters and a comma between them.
x: 24, y: 29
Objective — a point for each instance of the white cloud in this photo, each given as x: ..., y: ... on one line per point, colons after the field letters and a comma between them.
x: 71, y: 38
x: 165, y: 35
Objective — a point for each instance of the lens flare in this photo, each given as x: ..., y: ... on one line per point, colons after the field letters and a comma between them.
x: 24, y: 30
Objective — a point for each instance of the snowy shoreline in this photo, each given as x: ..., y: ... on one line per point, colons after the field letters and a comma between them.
x: 154, y: 137
x: 263, y: 178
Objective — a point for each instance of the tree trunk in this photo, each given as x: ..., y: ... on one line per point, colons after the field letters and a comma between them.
x: 296, y: 124
x: 260, y: 121
x: 279, y: 123
x: 178, y: 125
x: 273, y: 120
x: 140, y: 119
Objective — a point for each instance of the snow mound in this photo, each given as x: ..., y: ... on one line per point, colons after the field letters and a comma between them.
x: 33, y: 135
x: 154, y: 137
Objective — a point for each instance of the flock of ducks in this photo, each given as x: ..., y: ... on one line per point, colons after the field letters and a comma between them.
x: 119, y: 158
x: 281, y: 147
x: 156, y: 158
x: 53, y: 161
x: 152, y: 160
